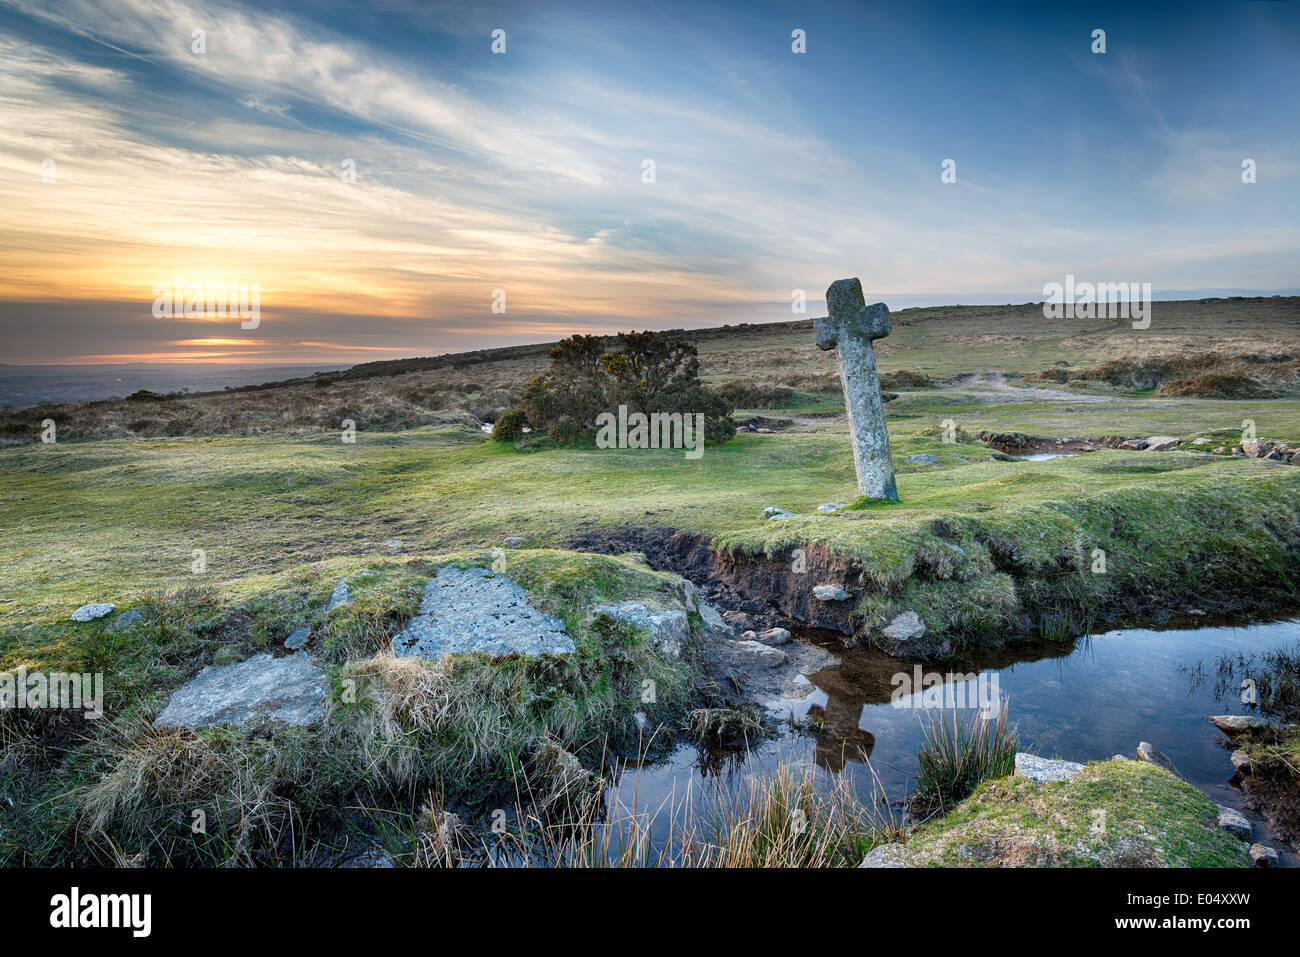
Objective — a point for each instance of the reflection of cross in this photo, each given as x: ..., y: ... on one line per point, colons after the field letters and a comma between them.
x: 849, y: 330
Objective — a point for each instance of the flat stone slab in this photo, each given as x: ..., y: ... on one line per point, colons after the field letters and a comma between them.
x: 297, y: 638
x: 289, y: 690
x: 96, y: 609
x: 471, y: 609
x: 1045, y: 770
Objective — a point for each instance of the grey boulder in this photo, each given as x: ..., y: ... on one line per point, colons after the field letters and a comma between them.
x: 830, y: 592
x: 340, y: 594
x: 1236, y: 723
x: 1149, y: 753
x: 1263, y: 856
x: 904, y: 628
x: 1235, y: 823
x: 885, y: 855
x: 1162, y: 443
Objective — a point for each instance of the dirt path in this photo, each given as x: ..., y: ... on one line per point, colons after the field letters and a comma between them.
x: 995, y: 384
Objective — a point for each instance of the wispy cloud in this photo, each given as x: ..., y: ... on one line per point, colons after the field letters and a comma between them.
x: 525, y: 173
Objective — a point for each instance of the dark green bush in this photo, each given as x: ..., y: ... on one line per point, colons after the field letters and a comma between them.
x: 509, y: 426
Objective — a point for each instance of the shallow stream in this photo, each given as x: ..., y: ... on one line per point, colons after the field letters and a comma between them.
x: 1088, y: 701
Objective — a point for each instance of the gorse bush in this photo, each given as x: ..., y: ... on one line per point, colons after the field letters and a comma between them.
x: 651, y: 372
x: 564, y: 431
x: 509, y: 426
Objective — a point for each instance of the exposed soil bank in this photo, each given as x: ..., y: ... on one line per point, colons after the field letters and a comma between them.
x: 986, y: 585
x: 755, y: 591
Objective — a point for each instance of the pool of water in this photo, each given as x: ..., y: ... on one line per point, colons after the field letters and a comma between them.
x: 1084, y: 702
x: 1044, y: 456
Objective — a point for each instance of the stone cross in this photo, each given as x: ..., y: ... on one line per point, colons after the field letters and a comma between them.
x: 849, y: 330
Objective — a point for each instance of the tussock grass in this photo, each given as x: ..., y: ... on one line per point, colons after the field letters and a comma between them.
x: 958, y: 756
x: 784, y: 819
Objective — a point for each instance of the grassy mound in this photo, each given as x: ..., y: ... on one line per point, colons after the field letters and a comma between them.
x: 471, y: 728
x: 1113, y: 814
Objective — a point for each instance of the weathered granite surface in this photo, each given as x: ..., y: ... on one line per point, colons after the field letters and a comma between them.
x: 290, y: 690
x: 471, y: 609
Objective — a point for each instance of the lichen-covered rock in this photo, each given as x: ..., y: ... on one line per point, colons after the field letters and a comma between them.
x: 904, y: 628
x: 923, y: 458
x: 885, y: 855
x: 340, y: 594
x: 1263, y: 856
x: 468, y: 610
x: 1162, y: 443
x: 288, y: 690
x: 297, y: 638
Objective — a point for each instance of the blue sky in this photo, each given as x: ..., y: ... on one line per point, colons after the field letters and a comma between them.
x: 522, y: 171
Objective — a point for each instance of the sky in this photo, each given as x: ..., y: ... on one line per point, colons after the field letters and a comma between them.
x: 392, y: 186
